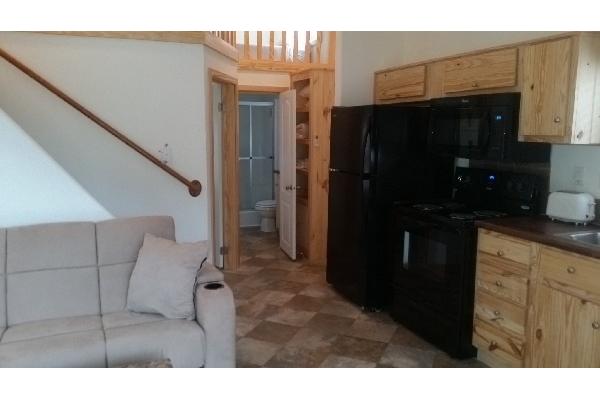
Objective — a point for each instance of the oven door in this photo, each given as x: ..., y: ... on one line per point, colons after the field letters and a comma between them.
x: 430, y: 263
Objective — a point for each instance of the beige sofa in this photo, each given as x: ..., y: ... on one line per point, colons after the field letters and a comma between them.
x: 63, y: 291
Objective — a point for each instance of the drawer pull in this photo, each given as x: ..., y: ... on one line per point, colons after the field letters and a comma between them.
x: 475, y: 84
x: 571, y: 270
x: 557, y: 119
x: 596, y: 325
x: 500, y: 253
x: 496, y: 313
x: 499, y: 283
x: 493, y: 345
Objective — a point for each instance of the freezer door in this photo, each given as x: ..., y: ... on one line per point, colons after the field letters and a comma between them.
x: 350, y: 139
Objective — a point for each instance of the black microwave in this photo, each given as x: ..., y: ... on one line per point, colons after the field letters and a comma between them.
x: 481, y: 127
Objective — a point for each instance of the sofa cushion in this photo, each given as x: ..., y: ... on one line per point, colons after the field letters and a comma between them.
x: 163, y: 278
x: 51, y: 272
x: 181, y: 341
x: 76, y: 350
x: 51, y: 246
x: 51, y: 327
x: 2, y: 279
x: 61, y: 293
x: 119, y: 242
x: 127, y: 318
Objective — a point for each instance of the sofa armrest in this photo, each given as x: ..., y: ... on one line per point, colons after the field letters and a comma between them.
x: 209, y: 273
x: 215, y: 312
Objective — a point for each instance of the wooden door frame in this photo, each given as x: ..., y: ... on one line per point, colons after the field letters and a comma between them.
x: 230, y: 176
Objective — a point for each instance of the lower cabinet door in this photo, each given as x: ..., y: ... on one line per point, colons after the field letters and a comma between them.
x: 566, y: 332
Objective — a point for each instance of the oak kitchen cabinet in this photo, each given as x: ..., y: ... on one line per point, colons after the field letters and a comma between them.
x: 535, y: 305
x: 494, y: 69
x: 559, y: 91
x: 400, y: 83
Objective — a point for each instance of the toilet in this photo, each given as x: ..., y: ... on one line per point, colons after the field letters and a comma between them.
x: 267, y: 209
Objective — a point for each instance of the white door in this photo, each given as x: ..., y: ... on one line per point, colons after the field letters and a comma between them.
x: 217, y: 118
x: 287, y: 173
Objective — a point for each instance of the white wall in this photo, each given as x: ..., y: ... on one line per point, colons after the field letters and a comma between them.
x: 153, y: 92
x: 35, y: 188
x: 363, y: 53
x: 566, y: 158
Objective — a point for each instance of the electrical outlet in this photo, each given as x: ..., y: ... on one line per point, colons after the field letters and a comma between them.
x: 578, y: 173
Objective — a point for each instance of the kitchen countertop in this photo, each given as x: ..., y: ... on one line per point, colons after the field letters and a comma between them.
x: 542, y: 230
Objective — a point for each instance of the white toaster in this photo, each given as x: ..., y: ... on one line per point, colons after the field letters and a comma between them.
x: 571, y: 207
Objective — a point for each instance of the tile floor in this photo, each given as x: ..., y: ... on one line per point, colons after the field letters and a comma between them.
x: 287, y: 316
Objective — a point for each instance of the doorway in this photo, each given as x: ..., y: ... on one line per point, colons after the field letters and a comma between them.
x: 258, y: 159
x: 223, y: 169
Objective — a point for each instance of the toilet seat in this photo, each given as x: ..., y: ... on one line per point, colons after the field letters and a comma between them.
x: 266, y: 204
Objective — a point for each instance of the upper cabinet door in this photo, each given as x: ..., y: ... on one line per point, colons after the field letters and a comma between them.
x: 545, y: 91
x: 400, y: 83
x: 495, y: 69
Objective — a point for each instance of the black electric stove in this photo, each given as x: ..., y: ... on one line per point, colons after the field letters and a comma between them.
x: 432, y: 246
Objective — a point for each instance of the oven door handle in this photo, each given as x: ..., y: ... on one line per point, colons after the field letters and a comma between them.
x: 415, y: 224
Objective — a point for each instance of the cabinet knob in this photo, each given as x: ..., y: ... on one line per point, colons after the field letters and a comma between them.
x: 596, y: 325
x: 496, y: 313
x: 500, y: 253
x: 571, y: 270
x: 557, y: 119
x: 498, y: 283
x: 475, y: 84
x: 493, y: 345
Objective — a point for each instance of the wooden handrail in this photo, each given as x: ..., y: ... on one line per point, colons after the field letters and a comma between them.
x: 194, y: 187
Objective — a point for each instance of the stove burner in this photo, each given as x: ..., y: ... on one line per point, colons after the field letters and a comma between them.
x: 489, y: 213
x: 462, y: 216
x: 428, y: 207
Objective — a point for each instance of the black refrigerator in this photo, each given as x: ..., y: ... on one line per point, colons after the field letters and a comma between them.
x: 379, y: 156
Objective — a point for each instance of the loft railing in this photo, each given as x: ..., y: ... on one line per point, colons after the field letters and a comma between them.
x: 193, y: 186
x: 283, y: 50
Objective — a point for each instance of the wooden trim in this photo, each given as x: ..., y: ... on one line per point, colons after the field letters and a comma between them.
x: 194, y: 186
x: 319, y: 45
x: 280, y: 66
x: 191, y: 37
x: 230, y: 136
x: 262, y: 89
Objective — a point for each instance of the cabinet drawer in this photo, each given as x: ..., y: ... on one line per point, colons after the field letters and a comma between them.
x: 504, y: 284
x: 501, y: 314
x: 505, y: 247
x: 399, y: 83
x: 494, y: 69
x: 575, y: 273
x: 504, y: 347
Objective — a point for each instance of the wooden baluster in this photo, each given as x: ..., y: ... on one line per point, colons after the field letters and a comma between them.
x: 319, y: 43
x: 283, y: 46
x: 331, y: 56
x: 259, y: 49
x: 307, y: 48
x: 295, y: 54
x: 247, y: 45
x: 272, y: 46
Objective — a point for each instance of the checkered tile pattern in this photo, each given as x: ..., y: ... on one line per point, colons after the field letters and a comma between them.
x: 287, y: 316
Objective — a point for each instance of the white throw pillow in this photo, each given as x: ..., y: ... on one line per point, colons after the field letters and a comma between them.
x: 163, y: 279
